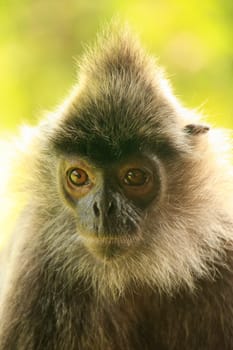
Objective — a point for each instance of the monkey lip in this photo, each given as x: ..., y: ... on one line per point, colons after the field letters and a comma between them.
x: 109, y: 247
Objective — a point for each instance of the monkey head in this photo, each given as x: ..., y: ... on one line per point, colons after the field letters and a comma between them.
x: 131, y: 174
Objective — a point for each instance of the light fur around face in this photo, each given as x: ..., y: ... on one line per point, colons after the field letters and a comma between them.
x: 185, y: 235
x: 169, y: 285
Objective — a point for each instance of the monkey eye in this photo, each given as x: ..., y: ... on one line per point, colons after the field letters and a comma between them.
x: 77, y: 177
x: 135, y: 177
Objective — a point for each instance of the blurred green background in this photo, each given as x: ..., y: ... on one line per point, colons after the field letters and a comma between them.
x: 41, y: 39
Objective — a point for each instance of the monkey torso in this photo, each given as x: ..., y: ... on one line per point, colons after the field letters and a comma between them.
x: 51, y: 316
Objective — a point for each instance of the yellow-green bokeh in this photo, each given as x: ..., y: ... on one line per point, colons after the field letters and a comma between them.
x: 39, y: 41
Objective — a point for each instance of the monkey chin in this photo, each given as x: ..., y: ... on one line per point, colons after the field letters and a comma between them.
x: 109, y: 248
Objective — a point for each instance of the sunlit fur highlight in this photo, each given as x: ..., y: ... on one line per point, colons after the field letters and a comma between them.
x: 172, y: 289
x: 184, y: 238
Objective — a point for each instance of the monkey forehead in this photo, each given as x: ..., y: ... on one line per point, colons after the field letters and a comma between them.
x: 121, y: 106
x: 105, y: 145
x: 111, y: 126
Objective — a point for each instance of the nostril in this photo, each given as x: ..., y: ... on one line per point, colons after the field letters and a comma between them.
x: 110, y: 208
x: 96, y: 209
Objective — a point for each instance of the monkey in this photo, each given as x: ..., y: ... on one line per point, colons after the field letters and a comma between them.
x: 124, y: 235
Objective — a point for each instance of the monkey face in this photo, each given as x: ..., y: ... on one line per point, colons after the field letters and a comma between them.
x: 110, y: 202
x: 115, y: 138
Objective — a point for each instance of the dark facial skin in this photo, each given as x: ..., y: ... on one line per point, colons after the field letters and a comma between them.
x: 129, y: 247
x: 110, y: 201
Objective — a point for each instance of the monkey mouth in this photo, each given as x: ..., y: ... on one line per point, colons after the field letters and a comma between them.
x: 108, y: 248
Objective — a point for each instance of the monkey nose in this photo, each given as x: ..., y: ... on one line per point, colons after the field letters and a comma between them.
x: 106, y: 209
x: 96, y: 210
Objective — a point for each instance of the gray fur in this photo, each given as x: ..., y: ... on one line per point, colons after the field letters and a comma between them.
x: 174, y: 289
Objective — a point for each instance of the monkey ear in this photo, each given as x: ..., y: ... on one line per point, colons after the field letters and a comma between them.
x: 196, y: 129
